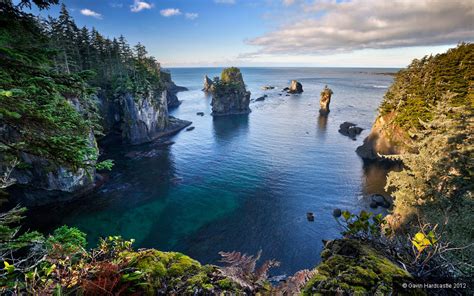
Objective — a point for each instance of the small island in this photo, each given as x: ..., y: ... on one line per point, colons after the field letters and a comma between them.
x: 229, y: 95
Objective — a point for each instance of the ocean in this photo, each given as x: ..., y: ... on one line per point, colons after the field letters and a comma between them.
x: 242, y: 182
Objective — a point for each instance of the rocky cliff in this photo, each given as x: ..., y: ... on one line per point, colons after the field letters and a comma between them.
x: 171, y: 89
x: 230, y: 95
x: 385, y: 138
x: 409, y: 104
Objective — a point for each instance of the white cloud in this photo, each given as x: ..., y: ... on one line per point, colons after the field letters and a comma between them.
x: 330, y: 27
x: 224, y: 1
x: 88, y: 12
x: 170, y: 12
x: 191, y: 15
x: 140, y: 5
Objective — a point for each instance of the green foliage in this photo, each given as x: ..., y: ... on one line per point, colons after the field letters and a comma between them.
x: 436, y: 184
x: 364, y: 225
x: 417, y: 89
x: 11, y: 239
x: 105, y: 165
x: 66, y: 241
x: 231, y: 81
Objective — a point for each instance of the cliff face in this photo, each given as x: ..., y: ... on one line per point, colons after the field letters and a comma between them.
x: 229, y: 95
x: 385, y: 138
x: 143, y: 119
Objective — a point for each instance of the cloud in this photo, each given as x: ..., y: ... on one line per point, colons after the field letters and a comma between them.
x: 170, y: 12
x: 140, y: 5
x: 191, y: 15
x: 224, y: 1
x: 88, y: 12
x: 327, y: 26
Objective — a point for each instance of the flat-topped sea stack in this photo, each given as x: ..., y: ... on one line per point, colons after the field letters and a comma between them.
x: 295, y: 87
x: 325, y: 100
x: 229, y: 95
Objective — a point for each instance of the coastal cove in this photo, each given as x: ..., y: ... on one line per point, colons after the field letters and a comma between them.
x: 242, y: 182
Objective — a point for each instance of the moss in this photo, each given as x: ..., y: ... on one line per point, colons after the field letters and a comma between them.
x: 356, y: 269
x: 225, y: 284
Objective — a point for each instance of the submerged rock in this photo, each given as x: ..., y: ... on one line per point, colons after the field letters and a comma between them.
x: 190, y: 128
x: 325, y: 100
x: 229, y: 95
x: 208, y: 84
x: 295, y: 87
x: 380, y: 201
x: 352, y: 267
x: 350, y: 130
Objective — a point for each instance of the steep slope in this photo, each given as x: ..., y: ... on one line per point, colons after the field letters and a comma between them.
x: 411, y: 100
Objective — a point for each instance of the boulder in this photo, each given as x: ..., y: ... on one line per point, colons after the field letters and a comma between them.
x: 190, y: 128
x: 267, y: 87
x: 350, y: 130
x: 229, y: 95
x: 310, y: 216
x: 200, y: 113
x: 325, y: 100
x: 208, y: 84
x: 262, y: 98
x: 295, y: 87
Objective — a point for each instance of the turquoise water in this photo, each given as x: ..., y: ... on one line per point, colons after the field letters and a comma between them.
x: 246, y: 182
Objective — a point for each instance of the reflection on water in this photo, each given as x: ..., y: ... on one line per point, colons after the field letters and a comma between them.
x: 226, y: 127
x: 322, y: 124
x: 375, y: 176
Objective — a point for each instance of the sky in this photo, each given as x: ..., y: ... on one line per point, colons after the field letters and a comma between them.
x: 314, y: 33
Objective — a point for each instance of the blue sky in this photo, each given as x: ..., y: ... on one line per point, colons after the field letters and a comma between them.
x: 281, y: 32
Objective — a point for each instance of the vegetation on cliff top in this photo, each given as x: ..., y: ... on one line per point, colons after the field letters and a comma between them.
x: 417, y: 89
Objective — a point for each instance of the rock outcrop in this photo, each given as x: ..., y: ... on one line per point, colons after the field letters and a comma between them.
x: 352, y: 267
x: 171, y: 89
x: 146, y: 118
x: 208, y: 85
x: 350, y: 130
x: 385, y: 138
x: 295, y: 87
x: 229, y: 95
x: 325, y: 100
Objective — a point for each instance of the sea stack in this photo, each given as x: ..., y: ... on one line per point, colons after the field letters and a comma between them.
x: 325, y: 100
x: 229, y: 95
x: 208, y: 84
x: 295, y: 87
